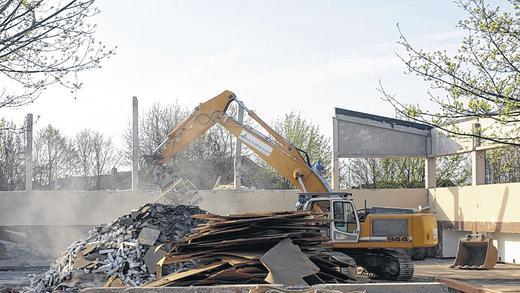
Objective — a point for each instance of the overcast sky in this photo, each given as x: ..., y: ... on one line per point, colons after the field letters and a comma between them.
x: 276, y: 56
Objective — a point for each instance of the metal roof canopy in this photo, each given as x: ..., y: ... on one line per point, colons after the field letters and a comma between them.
x: 357, y: 134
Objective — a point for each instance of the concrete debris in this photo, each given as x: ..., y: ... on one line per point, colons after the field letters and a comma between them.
x: 287, y: 264
x: 121, y: 253
x: 148, y: 236
x: 231, y: 186
x: 239, y: 249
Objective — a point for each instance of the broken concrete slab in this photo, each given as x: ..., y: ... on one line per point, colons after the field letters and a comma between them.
x: 148, y: 236
x: 152, y: 256
x: 287, y: 264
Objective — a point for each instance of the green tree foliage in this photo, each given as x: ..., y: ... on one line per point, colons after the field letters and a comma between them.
x: 402, y: 172
x: 503, y: 165
x: 481, y: 80
x: 306, y: 136
x: 454, y: 170
x: 399, y: 173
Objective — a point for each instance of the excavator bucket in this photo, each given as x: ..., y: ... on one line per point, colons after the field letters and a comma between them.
x: 164, y: 176
x: 476, y: 252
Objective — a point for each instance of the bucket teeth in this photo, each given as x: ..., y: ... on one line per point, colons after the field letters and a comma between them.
x: 476, y: 252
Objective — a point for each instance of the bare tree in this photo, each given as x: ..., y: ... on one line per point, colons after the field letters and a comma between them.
x: 51, y: 155
x: 94, y: 155
x: 154, y: 126
x: 12, y: 157
x: 202, y: 162
x: 480, y: 81
x: 104, y: 157
x: 83, y: 146
x: 44, y: 42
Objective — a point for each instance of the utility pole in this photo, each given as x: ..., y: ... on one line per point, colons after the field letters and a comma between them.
x: 135, y: 144
x: 28, y: 153
x: 238, y: 152
x: 335, y: 159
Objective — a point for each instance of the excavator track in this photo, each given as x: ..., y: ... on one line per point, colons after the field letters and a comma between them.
x: 384, y: 264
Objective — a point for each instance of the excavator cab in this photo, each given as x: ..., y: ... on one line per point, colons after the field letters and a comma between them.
x: 339, y: 208
x: 476, y: 251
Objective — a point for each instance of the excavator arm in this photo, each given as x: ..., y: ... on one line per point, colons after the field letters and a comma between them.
x: 276, y: 151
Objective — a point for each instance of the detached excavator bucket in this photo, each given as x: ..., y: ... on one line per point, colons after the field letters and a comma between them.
x: 476, y: 252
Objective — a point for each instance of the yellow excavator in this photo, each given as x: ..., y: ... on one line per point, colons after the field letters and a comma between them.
x: 375, y: 238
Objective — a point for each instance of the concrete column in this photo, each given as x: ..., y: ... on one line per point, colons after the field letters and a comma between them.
x: 478, y: 159
x: 478, y: 167
x: 237, y: 183
x: 28, y: 153
x: 135, y: 144
x: 430, y: 172
x: 335, y: 158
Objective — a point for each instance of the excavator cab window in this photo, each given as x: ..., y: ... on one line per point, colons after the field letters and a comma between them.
x: 320, y: 207
x: 344, y: 217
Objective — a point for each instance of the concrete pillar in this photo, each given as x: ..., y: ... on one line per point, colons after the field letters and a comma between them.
x: 430, y: 172
x: 478, y: 167
x: 28, y: 153
x: 335, y: 158
x: 237, y: 183
x: 135, y: 144
x: 478, y: 158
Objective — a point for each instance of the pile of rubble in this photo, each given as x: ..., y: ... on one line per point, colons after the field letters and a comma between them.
x: 258, y: 248
x: 122, y: 253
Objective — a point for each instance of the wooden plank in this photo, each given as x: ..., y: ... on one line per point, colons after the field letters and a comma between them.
x: 250, y: 220
x: 178, y: 276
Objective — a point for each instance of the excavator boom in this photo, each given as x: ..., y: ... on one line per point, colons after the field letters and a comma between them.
x: 276, y: 151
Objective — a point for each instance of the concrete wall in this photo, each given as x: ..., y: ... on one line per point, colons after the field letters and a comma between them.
x: 508, y: 244
x: 48, y: 221
x: 97, y: 207
x: 485, y: 208
x: 226, y: 202
x: 59, y: 217
x: 491, y: 208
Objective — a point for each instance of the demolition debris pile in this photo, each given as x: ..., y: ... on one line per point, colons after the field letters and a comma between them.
x: 122, y: 253
x: 258, y: 248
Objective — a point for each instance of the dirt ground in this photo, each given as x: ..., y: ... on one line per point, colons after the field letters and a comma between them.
x: 17, y: 277
x: 16, y: 263
x: 503, y: 278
